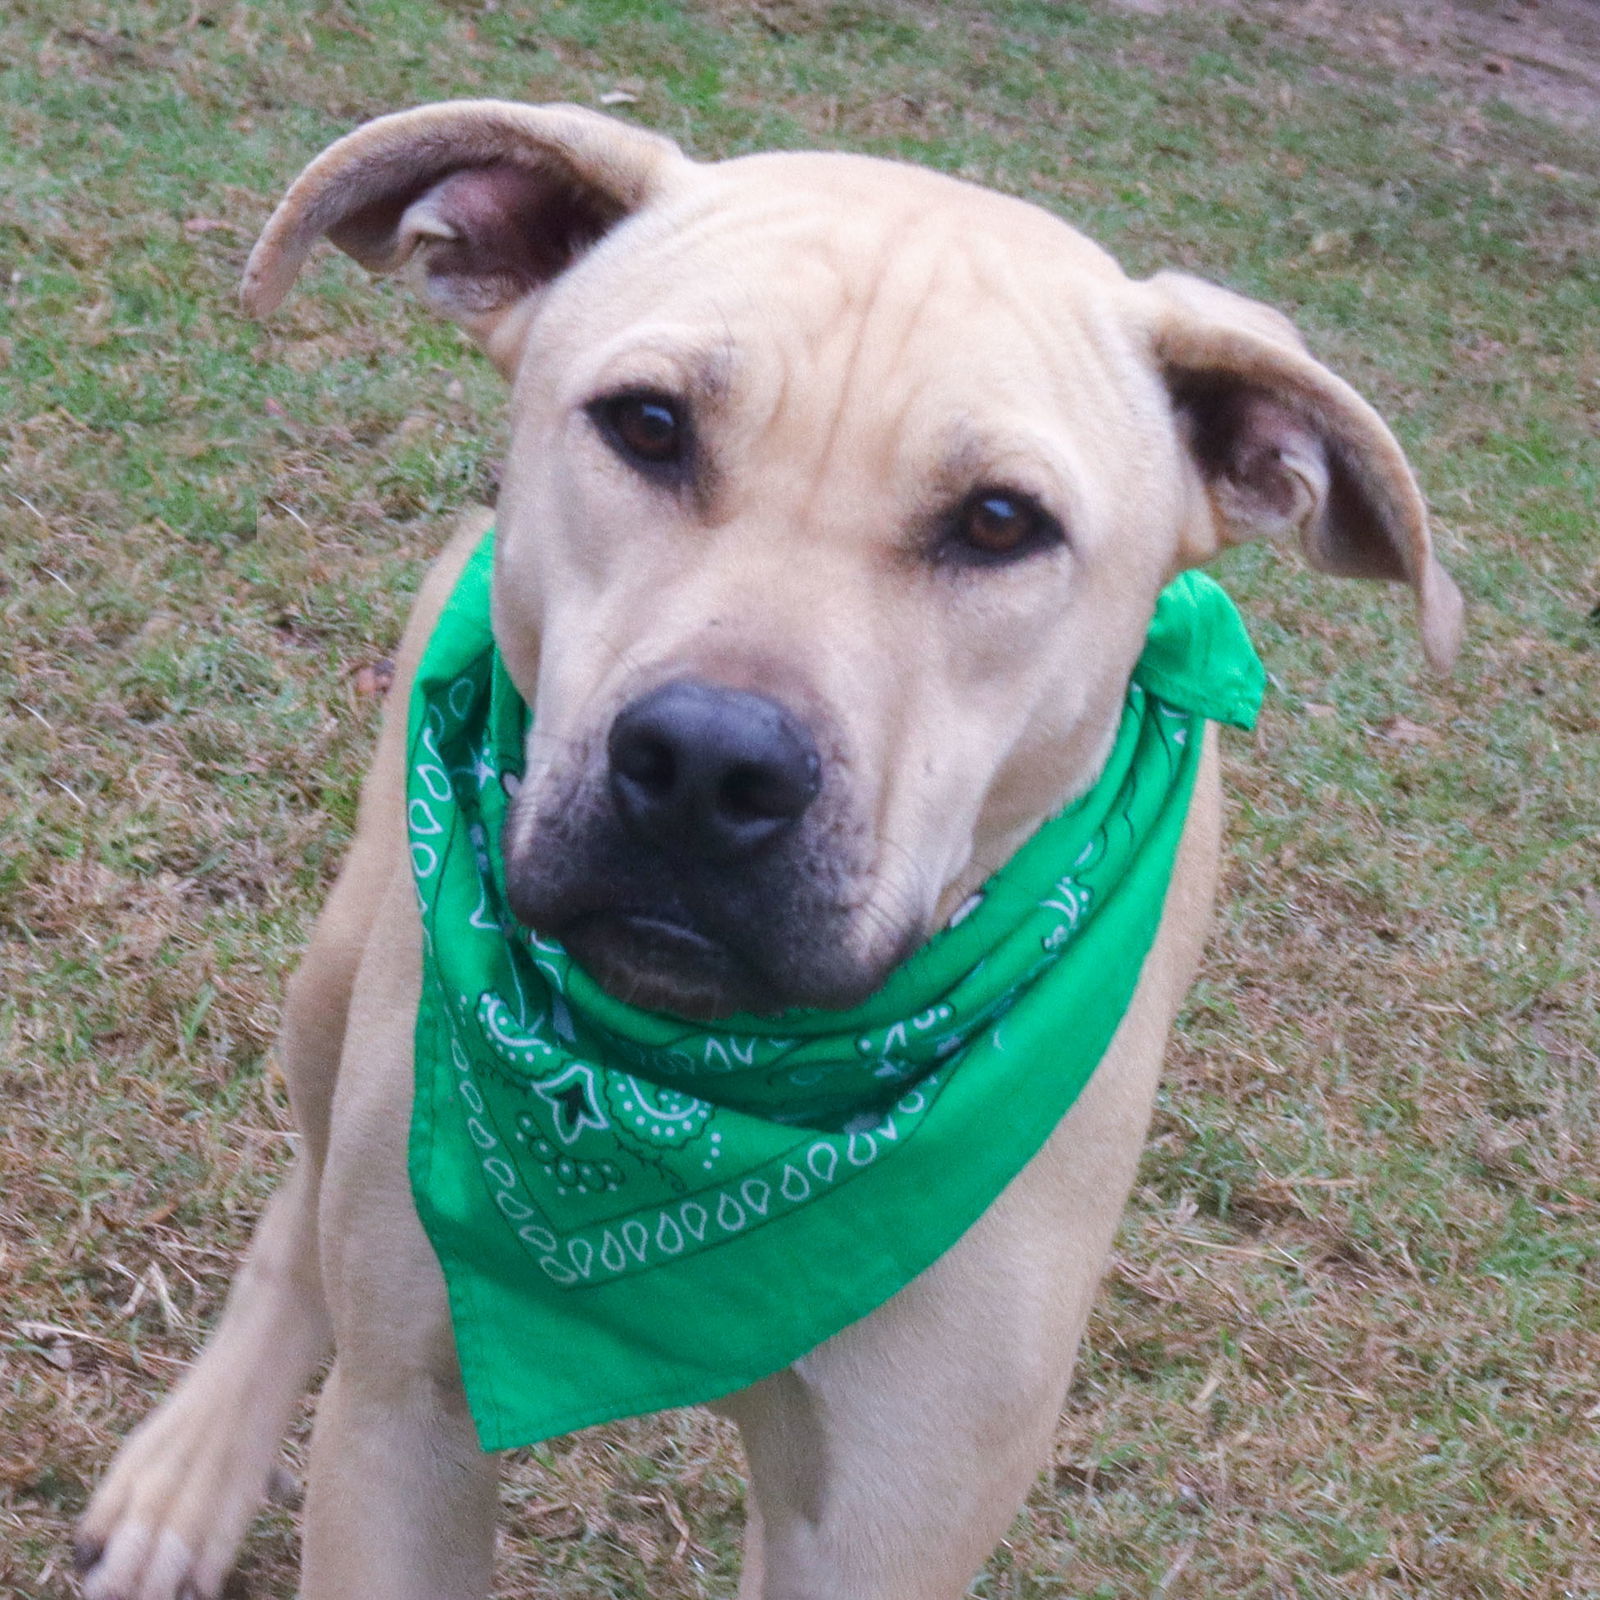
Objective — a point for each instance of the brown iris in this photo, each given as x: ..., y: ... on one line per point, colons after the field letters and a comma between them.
x: 648, y: 430
x: 993, y: 526
x: 997, y: 524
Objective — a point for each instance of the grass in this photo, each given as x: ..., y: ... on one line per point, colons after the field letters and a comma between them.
x: 1350, y: 1342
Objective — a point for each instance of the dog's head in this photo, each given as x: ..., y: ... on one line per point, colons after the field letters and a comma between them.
x: 838, y: 497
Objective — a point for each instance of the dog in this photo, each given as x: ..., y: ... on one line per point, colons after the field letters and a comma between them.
x: 910, y: 461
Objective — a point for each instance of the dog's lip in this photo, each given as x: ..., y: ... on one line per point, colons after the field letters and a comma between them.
x: 657, y: 963
x: 657, y: 928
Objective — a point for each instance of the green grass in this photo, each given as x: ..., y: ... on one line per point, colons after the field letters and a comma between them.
x: 1350, y: 1345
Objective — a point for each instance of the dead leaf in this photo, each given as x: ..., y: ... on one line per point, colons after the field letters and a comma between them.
x: 208, y: 225
x: 618, y: 97
x: 1401, y: 730
x: 1496, y: 1148
x: 375, y: 677
x: 1314, y: 708
x: 52, y: 1342
x: 553, y: 1521
x: 152, y: 1284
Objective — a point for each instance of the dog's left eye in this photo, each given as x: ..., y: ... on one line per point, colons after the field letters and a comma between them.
x: 994, y: 526
x: 648, y: 430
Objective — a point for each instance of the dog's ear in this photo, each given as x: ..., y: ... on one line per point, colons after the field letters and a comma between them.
x: 1283, y: 446
x: 491, y: 201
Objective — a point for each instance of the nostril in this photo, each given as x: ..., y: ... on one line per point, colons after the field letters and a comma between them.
x: 647, y: 760
x: 752, y: 793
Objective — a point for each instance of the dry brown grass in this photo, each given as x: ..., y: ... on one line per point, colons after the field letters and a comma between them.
x: 1350, y: 1343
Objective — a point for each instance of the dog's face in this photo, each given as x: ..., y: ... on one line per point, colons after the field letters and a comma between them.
x: 837, y: 501
x: 808, y: 438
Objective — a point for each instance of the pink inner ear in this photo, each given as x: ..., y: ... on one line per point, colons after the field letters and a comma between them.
x: 1263, y: 434
x: 1267, y: 454
x: 516, y: 222
x: 1242, y: 438
x: 497, y: 230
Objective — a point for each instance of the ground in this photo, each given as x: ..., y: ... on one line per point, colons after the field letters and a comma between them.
x: 1350, y: 1342
x: 1542, y: 56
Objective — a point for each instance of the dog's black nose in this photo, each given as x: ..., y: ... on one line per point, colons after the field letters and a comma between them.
x: 708, y: 772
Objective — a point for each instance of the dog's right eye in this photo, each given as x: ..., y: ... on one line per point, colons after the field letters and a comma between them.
x: 994, y: 527
x: 648, y: 430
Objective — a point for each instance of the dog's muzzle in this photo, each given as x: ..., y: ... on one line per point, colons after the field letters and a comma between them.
x: 699, y: 863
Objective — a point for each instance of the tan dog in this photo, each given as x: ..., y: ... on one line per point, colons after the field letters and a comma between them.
x: 910, y: 461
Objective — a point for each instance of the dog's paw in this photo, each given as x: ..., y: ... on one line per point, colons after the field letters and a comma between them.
x: 139, y: 1562
x: 169, y: 1518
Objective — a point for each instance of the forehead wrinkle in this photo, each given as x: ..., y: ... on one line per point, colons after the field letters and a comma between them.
x: 876, y: 291
x: 885, y: 323
x: 857, y: 351
x: 1030, y: 348
x: 1067, y: 326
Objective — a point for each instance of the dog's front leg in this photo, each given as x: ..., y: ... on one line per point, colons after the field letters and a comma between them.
x: 172, y: 1511
x: 400, y: 1500
x: 887, y: 1463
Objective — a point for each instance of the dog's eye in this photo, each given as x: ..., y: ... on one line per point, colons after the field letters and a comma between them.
x: 647, y: 430
x: 992, y: 526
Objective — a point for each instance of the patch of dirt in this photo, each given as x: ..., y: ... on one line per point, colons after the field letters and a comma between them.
x: 1541, y: 56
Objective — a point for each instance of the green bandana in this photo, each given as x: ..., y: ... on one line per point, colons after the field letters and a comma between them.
x: 633, y: 1211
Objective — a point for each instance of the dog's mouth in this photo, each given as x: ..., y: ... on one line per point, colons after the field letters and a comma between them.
x: 663, y: 961
x: 658, y: 963
x: 759, y: 940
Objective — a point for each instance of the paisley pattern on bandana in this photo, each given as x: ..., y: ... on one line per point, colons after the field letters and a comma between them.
x: 633, y: 1211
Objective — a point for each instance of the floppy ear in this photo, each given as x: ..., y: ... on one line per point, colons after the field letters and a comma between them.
x: 489, y: 198
x: 1283, y: 446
